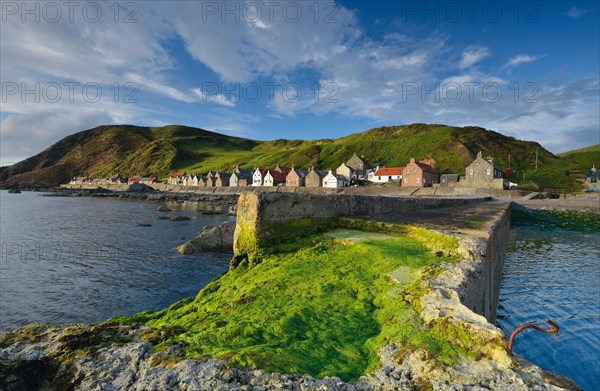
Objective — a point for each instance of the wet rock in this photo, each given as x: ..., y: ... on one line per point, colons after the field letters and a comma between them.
x: 163, y: 209
x: 218, y: 238
x: 144, y: 225
x: 137, y: 187
x: 156, y: 197
x: 14, y: 190
x: 179, y: 218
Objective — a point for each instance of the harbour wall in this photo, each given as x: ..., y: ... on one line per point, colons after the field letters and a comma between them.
x: 264, y: 219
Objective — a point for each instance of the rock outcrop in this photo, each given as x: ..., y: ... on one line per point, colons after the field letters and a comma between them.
x: 218, y: 238
x: 137, y: 187
x: 113, y: 357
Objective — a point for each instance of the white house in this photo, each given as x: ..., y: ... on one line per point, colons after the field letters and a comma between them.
x: 186, y: 180
x: 195, y: 180
x: 335, y: 181
x: 257, y: 177
x: 386, y: 174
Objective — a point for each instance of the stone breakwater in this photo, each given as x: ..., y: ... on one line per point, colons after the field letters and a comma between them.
x: 462, y: 298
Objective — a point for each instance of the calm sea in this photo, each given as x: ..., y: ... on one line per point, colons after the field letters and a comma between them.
x: 85, y: 259
x: 553, y: 272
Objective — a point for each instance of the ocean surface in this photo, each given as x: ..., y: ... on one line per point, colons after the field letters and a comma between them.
x: 553, y: 271
x: 85, y: 259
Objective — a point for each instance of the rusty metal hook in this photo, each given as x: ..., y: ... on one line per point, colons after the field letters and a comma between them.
x: 554, y: 330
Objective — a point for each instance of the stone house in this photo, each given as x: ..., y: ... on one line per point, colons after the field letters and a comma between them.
x: 345, y: 171
x: 420, y: 174
x: 296, y: 178
x: 359, y: 165
x: 282, y: 170
x: 274, y: 178
x: 222, y: 179
x: 483, y: 173
x: 314, y: 178
x: 335, y: 181
x: 387, y: 174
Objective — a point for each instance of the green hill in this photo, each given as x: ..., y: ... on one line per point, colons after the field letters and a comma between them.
x: 129, y: 150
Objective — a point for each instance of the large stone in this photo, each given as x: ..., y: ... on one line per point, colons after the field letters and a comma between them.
x: 137, y: 187
x: 218, y: 238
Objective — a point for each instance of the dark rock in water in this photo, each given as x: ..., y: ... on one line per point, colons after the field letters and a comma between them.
x: 179, y: 218
x: 144, y: 225
x: 14, y: 190
x: 137, y: 187
x: 211, y: 239
x: 211, y: 212
x: 156, y: 197
x: 163, y: 217
x: 163, y: 209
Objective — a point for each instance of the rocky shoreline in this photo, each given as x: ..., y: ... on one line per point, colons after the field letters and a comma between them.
x: 123, y: 357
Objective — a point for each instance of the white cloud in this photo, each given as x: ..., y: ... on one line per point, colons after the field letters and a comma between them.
x: 576, y: 12
x: 472, y: 55
x: 361, y: 77
x: 25, y: 135
x: 520, y: 59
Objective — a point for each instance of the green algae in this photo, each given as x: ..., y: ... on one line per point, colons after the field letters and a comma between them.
x: 322, y: 305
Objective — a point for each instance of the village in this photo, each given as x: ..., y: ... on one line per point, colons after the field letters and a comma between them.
x: 356, y: 171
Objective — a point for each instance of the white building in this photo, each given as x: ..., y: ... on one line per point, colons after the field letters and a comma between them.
x: 386, y: 174
x: 258, y: 177
x: 335, y: 181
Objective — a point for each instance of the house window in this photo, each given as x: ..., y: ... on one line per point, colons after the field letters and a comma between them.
x: 488, y: 171
x: 471, y: 171
x: 418, y: 180
x: 390, y: 178
x: 405, y: 180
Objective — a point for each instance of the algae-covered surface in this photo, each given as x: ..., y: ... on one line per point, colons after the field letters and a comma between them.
x: 323, y: 308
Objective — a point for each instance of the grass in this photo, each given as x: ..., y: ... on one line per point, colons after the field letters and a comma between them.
x: 146, y: 151
x: 322, y: 309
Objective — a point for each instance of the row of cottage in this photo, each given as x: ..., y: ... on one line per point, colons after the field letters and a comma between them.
x: 356, y: 170
x: 480, y: 173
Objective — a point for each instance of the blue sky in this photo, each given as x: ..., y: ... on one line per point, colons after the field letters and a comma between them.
x: 299, y: 69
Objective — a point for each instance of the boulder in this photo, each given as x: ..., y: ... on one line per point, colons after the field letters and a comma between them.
x: 137, y: 187
x: 179, y: 218
x: 14, y: 190
x: 218, y: 238
x: 163, y: 209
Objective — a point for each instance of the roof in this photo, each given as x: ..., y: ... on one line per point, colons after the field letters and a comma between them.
x: 243, y: 174
x: 300, y: 173
x: 427, y: 168
x: 278, y: 176
x: 176, y: 175
x: 389, y: 171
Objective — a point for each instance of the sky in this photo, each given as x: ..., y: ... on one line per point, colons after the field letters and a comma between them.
x: 298, y: 69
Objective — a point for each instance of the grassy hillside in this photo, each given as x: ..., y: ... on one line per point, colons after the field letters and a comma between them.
x: 129, y: 150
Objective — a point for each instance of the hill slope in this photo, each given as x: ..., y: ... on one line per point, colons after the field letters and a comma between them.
x: 129, y: 150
